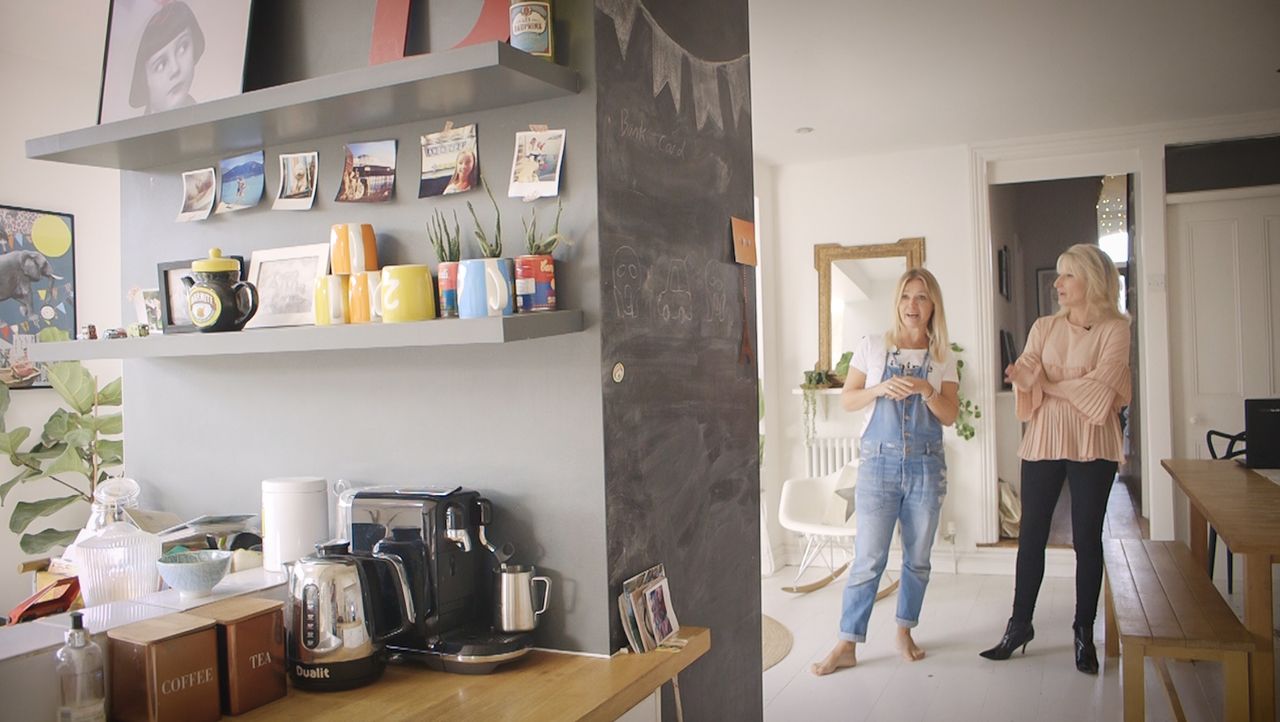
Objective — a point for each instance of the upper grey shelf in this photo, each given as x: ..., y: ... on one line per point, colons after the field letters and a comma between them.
x: 435, y: 85
x: 439, y: 332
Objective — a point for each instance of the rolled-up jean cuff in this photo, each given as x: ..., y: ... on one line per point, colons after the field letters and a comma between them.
x: 846, y: 637
x: 907, y: 624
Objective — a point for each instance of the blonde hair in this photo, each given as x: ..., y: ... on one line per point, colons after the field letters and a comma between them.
x: 1100, y: 276
x: 939, y: 340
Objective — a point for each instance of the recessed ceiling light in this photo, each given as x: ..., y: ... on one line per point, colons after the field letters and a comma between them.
x: 804, y: 130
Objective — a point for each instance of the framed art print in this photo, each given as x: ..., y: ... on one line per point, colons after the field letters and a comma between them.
x: 37, y: 287
x: 286, y: 280
x: 1046, y: 294
x: 166, y: 54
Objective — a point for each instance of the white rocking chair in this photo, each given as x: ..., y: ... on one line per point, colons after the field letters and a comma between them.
x: 803, y: 509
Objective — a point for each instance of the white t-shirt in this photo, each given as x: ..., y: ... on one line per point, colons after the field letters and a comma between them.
x: 869, y: 358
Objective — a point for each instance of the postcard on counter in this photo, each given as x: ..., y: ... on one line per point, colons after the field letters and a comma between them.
x: 535, y: 170
x: 297, y: 181
x: 449, y: 162
x: 197, y: 194
x: 661, y: 613
x: 242, y: 182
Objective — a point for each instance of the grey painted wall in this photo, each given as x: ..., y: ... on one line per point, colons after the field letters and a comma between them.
x: 520, y: 422
x: 681, y: 436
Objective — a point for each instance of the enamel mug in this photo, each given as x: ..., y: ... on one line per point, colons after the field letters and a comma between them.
x: 485, y: 287
x: 353, y: 247
x: 331, y: 301
x: 364, y: 296
x: 407, y: 294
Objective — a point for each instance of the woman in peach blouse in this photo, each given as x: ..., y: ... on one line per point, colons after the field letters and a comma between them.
x: 1069, y: 384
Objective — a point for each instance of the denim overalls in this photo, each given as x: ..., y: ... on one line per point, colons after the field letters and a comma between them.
x: 902, y: 477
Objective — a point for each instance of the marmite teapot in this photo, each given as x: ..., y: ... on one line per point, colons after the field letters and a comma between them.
x: 217, y: 298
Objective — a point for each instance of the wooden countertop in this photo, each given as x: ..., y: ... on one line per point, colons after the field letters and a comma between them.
x: 1241, y: 504
x: 539, y: 686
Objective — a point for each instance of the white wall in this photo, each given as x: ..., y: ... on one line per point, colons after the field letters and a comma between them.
x: 51, y: 55
x: 865, y: 200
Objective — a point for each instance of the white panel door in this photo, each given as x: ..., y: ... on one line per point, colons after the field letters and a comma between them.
x: 1224, y: 259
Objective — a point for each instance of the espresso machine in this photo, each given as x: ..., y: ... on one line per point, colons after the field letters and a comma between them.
x: 440, y: 537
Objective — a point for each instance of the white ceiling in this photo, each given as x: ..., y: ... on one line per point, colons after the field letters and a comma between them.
x: 884, y: 75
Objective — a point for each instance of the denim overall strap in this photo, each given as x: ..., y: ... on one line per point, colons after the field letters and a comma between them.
x: 907, y: 424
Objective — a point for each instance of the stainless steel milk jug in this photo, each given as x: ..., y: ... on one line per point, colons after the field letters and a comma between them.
x: 513, y: 598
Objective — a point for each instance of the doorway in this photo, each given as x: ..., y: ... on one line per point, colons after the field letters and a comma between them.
x: 1031, y: 224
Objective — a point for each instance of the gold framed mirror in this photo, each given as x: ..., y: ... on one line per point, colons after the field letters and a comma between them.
x: 826, y: 255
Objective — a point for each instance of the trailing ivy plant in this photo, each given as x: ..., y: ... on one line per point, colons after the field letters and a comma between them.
x: 967, y: 411
x: 75, y: 450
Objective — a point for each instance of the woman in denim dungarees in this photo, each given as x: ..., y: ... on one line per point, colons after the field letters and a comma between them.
x: 901, y: 473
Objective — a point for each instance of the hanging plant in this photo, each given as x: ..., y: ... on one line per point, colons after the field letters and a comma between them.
x: 813, y: 381
x: 967, y: 411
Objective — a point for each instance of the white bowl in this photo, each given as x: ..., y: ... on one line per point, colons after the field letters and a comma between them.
x: 194, y: 574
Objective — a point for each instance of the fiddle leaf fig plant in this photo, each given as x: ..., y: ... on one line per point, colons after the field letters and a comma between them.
x: 488, y: 249
x: 75, y: 450
x: 968, y: 411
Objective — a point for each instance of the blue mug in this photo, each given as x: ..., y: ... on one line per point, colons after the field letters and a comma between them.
x: 486, y: 287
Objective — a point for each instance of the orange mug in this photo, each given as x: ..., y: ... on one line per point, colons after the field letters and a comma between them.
x: 365, y: 299
x: 352, y: 248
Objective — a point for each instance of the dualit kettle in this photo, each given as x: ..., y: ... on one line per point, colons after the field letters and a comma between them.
x: 342, y: 606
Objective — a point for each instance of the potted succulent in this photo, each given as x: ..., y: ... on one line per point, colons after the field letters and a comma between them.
x: 486, y: 285
x: 536, y: 270
x: 448, y: 245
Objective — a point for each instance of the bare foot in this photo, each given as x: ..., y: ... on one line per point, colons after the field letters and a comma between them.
x: 907, y: 646
x: 844, y: 654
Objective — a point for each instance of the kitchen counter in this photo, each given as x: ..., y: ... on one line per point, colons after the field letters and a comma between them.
x: 540, y: 686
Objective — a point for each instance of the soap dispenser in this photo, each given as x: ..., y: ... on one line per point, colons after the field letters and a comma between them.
x: 81, y: 692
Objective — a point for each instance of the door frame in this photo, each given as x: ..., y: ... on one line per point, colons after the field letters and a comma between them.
x: 1138, y: 151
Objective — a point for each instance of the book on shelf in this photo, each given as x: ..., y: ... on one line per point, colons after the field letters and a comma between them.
x: 646, y: 611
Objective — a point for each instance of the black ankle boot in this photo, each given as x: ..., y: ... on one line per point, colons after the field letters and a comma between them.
x: 1086, y: 653
x: 1017, y: 634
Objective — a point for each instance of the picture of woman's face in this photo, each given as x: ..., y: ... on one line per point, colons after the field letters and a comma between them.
x: 466, y: 164
x: 169, y: 74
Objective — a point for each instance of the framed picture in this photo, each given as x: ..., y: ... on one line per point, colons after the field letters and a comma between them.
x: 1046, y: 296
x: 1002, y: 271
x: 37, y: 287
x: 1007, y: 353
x: 174, y: 316
x: 166, y: 55
x: 286, y: 279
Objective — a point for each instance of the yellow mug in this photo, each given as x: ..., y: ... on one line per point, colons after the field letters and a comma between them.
x: 364, y: 297
x: 331, y: 301
x: 353, y: 247
x: 407, y: 293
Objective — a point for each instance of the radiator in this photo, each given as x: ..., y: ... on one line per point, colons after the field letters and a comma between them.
x: 825, y: 454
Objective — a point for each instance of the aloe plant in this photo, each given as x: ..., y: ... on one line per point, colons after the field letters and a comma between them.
x: 447, y: 244
x: 488, y: 249
x: 77, y: 446
x: 538, y: 245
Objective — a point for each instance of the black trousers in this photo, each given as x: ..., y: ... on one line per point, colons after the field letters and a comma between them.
x: 1041, y: 486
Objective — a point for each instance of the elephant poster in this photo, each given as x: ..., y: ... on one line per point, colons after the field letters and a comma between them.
x: 37, y: 287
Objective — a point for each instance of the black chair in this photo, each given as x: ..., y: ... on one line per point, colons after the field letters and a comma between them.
x: 1231, y: 453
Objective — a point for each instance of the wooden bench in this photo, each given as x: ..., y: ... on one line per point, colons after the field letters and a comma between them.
x: 1160, y: 603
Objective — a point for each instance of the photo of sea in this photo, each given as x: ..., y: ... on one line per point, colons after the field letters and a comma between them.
x: 242, y: 182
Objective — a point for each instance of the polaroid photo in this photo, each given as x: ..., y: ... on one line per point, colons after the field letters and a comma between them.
x: 147, y: 308
x: 660, y: 611
x: 368, y: 173
x: 298, y: 173
x: 197, y: 194
x: 449, y: 162
x: 535, y: 170
x: 242, y: 182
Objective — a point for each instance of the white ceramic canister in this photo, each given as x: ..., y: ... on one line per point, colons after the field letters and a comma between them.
x: 295, y: 516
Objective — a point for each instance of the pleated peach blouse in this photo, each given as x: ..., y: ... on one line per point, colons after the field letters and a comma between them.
x: 1082, y: 382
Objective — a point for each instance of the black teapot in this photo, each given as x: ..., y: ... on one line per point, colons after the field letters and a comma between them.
x: 217, y: 298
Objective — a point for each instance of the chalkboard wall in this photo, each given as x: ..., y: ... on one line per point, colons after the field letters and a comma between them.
x: 681, y: 449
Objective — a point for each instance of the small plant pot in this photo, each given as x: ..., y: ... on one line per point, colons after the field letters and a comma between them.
x: 535, y: 283
x: 448, y: 285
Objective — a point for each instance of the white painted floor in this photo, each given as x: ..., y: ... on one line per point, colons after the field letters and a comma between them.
x: 963, y: 614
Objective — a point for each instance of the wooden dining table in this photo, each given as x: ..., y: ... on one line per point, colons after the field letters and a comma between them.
x: 1244, y: 507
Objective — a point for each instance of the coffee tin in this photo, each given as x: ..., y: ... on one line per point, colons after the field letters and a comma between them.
x: 531, y: 28
x: 535, y: 284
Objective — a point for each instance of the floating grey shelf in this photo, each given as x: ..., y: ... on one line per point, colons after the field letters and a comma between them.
x: 434, y: 85
x: 439, y: 332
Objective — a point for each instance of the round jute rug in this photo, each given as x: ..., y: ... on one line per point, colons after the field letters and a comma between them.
x: 776, y: 641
